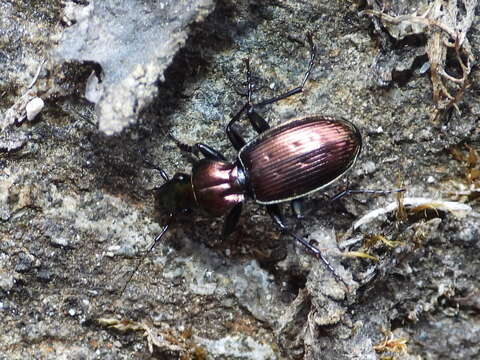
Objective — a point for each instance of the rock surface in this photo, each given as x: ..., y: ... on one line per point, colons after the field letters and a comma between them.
x: 77, y: 207
x: 133, y: 42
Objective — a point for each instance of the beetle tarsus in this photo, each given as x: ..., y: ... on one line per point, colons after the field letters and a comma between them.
x: 316, y: 251
x: 249, y: 81
x: 276, y: 214
x: 363, y: 191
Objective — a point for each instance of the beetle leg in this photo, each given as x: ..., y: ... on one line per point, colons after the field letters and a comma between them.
x: 231, y: 219
x: 363, y: 191
x: 277, y: 217
x: 199, y: 148
x: 258, y: 123
x: 208, y: 152
x: 276, y: 214
x: 297, y: 208
x: 249, y: 81
x: 235, y: 138
x: 298, y: 89
x: 163, y: 174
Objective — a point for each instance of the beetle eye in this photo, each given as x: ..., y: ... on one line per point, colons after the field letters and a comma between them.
x: 180, y: 177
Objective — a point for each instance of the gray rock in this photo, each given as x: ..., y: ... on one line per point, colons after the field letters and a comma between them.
x: 134, y: 42
x: 77, y: 209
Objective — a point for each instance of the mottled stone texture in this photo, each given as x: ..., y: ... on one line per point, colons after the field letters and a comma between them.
x: 77, y: 206
x: 133, y: 41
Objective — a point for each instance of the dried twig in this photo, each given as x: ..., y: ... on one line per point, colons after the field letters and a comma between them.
x: 445, y: 23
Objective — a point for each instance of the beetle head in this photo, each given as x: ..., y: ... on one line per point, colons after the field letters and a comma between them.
x: 176, y: 195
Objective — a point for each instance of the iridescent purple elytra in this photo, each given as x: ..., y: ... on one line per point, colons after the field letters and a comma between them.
x: 299, y: 157
x: 284, y: 163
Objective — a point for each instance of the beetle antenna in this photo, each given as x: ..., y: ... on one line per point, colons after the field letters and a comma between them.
x: 149, y: 250
x: 316, y: 251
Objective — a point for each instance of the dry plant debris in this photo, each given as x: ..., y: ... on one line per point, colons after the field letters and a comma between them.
x: 445, y: 24
x: 469, y: 184
x: 165, y: 341
x: 415, y: 205
x: 391, y: 344
x: 28, y: 106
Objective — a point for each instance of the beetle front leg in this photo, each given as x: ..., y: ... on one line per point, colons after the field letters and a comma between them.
x: 276, y: 214
x: 231, y: 219
x: 258, y: 123
x: 199, y: 148
x: 162, y: 172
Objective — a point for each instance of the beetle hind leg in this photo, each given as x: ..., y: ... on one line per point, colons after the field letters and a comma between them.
x: 276, y: 214
x: 297, y: 208
x: 363, y: 191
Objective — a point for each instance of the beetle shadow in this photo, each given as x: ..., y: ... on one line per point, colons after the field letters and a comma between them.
x: 117, y: 161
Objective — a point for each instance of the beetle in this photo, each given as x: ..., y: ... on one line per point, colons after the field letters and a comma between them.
x: 282, y: 164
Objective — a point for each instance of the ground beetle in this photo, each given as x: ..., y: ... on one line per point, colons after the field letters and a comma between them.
x: 283, y: 163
